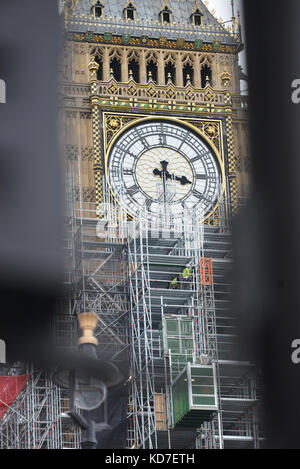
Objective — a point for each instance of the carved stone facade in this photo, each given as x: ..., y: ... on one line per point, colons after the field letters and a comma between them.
x: 128, y: 78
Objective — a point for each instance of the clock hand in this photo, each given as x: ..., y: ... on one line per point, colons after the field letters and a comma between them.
x: 166, y: 175
x: 183, y: 180
x: 157, y: 172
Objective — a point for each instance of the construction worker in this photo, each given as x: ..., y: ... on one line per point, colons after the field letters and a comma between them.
x: 174, y: 283
x: 186, y: 277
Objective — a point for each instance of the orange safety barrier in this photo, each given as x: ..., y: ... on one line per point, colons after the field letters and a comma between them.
x: 206, y: 271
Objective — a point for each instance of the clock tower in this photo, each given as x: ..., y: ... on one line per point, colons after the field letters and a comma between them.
x: 153, y: 117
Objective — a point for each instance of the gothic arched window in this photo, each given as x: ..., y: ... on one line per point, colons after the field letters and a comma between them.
x: 206, y: 76
x: 166, y: 15
x: 115, y: 68
x: 97, y: 9
x: 100, y: 69
x: 188, y: 74
x: 129, y: 11
x: 197, y: 18
x: 170, y: 72
x: 152, y: 71
x: 134, y: 70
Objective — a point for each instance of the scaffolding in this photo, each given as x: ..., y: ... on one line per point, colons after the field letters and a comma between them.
x: 36, y: 418
x: 122, y: 269
x: 158, y: 250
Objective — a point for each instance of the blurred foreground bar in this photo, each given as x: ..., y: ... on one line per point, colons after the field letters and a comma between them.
x: 30, y: 187
x: 267, y: 234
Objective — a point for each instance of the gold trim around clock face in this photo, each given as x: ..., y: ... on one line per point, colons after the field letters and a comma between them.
x: 183, y: 122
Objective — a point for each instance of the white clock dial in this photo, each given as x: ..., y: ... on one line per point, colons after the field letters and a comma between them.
x: 151, y: 184
x: 161, y: 160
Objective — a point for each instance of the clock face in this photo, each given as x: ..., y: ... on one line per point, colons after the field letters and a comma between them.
x: 157, y: 162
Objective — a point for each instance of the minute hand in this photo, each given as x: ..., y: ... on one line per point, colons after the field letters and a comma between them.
x: 183, y: 180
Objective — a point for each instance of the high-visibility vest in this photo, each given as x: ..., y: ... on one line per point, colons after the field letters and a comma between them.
x: 186, y: 273
x: 174, y: 281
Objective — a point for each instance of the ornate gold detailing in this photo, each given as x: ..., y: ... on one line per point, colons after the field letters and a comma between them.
x: 151, y: 90
x: 113, y: 123
x: 211, y: 129
x: 162, y: 42
x: 132, y: 90
x: 114, y: 89
x: 180, y: 43
x: 226, y: 78
x: 93, y: 65
x: 93, y: 68
x: 209, y: 95
x: 231, y: 165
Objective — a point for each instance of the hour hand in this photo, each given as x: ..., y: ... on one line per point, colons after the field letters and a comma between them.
x: 157, y: 172
x: 183, y: 180
x: 167, y: 175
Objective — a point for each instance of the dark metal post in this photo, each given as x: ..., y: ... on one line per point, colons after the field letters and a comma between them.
x: 267, y: 235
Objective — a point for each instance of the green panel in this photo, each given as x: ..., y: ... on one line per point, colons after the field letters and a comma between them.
x: 174, y: 345
x: 186, y: 327
x: 203, y: 396
x: 202, y: 381
x: 161, y: 337
x: 204, y: 400
x: 179, y: 363
x: 202, y: 372
x: 203, y: 389
x: 180, y: 398
x: 180, y: 358
x: 178, y: 338
x: 172, y: 327
x: 187, y: 345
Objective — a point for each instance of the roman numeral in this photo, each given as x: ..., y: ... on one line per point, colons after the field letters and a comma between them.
x: 163, y: 139
x: 204, y: 177
x: 196, y: 159
x: 127, y: 172
x: 124, y: 150
x: 197, y: 194
x: 133, y: 190
x: 200, y: 196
